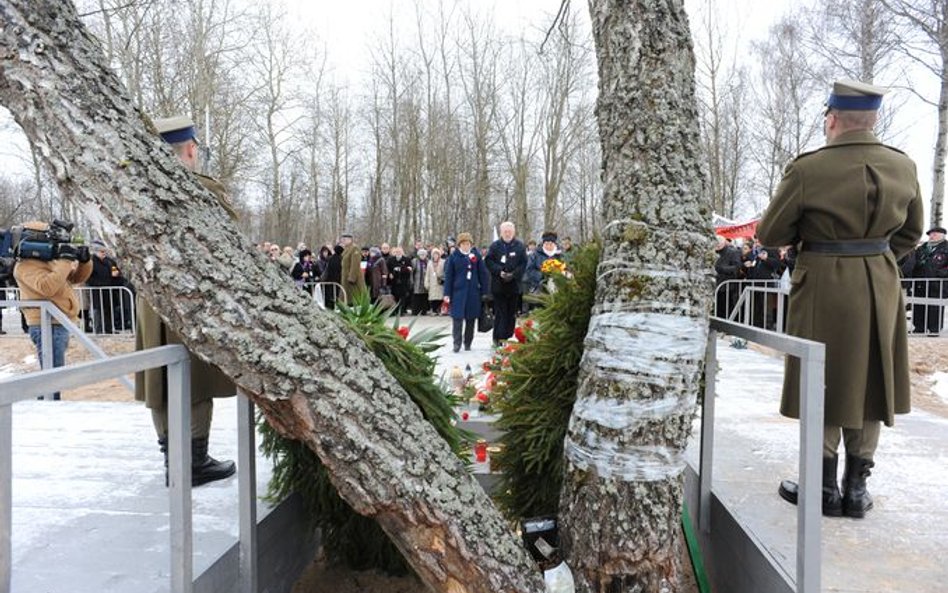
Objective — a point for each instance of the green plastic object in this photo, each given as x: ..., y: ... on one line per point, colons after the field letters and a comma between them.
x: 694, y: 551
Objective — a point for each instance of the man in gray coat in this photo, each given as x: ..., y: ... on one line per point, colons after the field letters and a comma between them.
x: 855, y: 206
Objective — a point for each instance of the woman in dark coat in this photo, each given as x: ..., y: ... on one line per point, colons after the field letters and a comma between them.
x: 377, y: 274
x: 325, y: 252
x: 333, y: 274
x: 465, y: 283
x: 304, y: 271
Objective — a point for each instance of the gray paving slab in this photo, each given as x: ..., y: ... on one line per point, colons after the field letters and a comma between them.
x: 898, y: 547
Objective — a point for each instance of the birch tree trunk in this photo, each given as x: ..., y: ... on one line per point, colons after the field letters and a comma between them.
x: 641, y: 369
x: 314, y: 380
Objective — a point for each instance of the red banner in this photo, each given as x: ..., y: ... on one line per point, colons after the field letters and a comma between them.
x: 738, y: 231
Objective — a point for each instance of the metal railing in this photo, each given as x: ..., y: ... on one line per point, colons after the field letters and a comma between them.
x: 764, y: 304
x: 321, y: 289
x: 925, y: 301
x: 177, y: 360
x: 110, y: 309
x: 48, y: 312
x: 812, y: 357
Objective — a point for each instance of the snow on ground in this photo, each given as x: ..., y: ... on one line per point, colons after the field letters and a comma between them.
x: 940, y: 385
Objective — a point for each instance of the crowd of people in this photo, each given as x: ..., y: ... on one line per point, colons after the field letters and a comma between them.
x: 432, y: 279
x: 747, y: 259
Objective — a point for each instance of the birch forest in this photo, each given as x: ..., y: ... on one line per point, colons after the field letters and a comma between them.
x: 456, y: 120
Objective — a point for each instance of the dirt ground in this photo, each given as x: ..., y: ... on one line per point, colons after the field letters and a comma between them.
x: 320, y: 577
x: 18, y: 355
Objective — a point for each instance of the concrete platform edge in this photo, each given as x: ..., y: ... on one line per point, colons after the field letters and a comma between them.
x: 735, y: 560
x: 286, y: 547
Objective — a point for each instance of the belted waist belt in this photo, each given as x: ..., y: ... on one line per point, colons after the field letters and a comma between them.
x: 855, y: 247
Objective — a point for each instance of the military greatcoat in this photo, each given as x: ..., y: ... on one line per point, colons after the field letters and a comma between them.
x: 353, y: 279
x: 207, y: 381
x: 853, y: 188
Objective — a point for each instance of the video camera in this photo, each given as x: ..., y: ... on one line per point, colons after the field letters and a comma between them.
x: 53, y: 243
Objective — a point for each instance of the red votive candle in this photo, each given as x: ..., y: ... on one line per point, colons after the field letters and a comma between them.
x: 480, y: 451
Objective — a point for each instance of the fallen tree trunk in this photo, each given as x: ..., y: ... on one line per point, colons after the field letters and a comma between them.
x: 641, y: 367
x: 314, y: 379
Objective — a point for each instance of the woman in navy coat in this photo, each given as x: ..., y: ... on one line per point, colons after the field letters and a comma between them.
x: 465, y: 283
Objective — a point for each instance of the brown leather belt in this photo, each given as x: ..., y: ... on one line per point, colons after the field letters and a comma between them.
x: 856, y: 247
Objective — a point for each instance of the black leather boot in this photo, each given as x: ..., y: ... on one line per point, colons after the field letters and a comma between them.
x: 163, y: 447
x: 832, y: 502
x: 205, y: 468
x: 856, y: 499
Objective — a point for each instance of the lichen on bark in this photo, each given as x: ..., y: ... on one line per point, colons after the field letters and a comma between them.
x: 641, y: 367
x: 307, y: 372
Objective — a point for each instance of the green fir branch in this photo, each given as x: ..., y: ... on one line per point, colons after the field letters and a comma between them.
x: 539, y: 392
x: 349, y: 538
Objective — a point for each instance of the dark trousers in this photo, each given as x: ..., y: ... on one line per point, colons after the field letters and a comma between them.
x: 928, y: 319
x: 402, y: 298
x: 419, y: 303
x: 468, y: 331
x: 505, y: 315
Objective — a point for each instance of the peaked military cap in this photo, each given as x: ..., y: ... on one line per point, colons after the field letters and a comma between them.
x: 852, y: 95
x: 176, y: 129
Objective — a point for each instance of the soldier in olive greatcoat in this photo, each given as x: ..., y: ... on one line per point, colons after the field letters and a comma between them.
x: 207, y: 381
x: 855, y: 206
x: 353, y: 278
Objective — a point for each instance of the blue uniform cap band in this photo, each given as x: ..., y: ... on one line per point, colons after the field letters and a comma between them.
x: 182, y: 135
x: 854, y: 102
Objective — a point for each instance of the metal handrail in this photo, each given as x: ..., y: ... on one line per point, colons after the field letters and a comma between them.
x: 812, y: 357
x: 178, y: 362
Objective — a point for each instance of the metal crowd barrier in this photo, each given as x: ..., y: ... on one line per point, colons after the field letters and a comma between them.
x: 764, y: 303
x: 49, y: 311
x: 925, y: 303
x: 812, y: 357
x: 177, y: 360
x: 319, y: 290
x: 110, y: 310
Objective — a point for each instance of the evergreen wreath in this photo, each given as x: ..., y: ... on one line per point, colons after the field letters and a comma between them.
x: 349, y: 538
x: 537, y: 389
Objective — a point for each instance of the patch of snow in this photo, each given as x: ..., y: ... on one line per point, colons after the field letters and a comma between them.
x: 7, y: 370
x: 940, y: 385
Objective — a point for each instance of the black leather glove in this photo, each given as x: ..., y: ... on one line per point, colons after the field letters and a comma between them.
x: 67, y: 251
x: 83, y: 254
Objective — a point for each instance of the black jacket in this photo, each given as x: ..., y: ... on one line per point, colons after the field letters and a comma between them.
x: 510, y: 258
x: 931, y: 261
x: 333, y: 271
x: 728, y: 264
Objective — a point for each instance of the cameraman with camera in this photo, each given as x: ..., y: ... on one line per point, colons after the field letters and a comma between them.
x: 47, y: 268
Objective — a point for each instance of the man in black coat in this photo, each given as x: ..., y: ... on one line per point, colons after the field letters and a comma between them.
x: 931, y: 261
x: 333, y: 274
x: 506, y: 261
x: 107, y: 298
x: 765, y: 267
x: 727, y: 267
x: 399, y: 268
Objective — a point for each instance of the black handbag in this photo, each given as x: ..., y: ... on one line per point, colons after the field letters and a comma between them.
x: 485, y: 322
